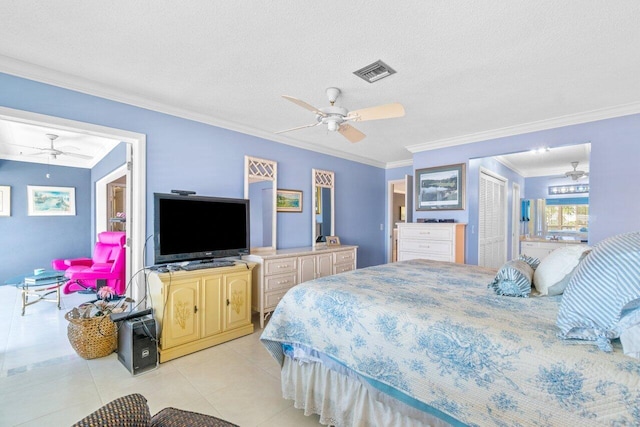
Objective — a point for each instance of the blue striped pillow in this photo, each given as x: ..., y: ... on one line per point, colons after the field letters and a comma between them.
x: 513, y: 279
x: 607, y: 280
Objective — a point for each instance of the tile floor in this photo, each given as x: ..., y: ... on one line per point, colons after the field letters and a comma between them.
x: 44, y: 382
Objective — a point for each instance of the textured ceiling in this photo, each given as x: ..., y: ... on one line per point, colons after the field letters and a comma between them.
x: 465, y: 70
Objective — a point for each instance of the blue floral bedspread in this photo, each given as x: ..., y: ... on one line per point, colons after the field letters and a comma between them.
x: 434, y: 332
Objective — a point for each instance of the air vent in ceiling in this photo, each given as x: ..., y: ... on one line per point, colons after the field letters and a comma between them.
x: 374, y: 72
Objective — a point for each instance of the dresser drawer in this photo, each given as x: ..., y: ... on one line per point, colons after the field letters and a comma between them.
x: 272, y: 299
x: 280, y: 281
x: 280, y: 265
x: 343, y: 256
x: 427, y: 247
x: 426, y: 233
x: 341, y: 268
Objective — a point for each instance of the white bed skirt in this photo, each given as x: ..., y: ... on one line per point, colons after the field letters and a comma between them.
x: 343, y: 400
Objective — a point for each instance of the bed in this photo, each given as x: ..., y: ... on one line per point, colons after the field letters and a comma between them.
x: 420, y: 342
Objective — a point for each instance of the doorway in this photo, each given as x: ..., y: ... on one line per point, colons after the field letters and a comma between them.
x: 400, y: 209
x: 135, y: 191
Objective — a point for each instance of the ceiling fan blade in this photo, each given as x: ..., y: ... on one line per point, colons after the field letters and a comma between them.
x: 304, y: 105
x: 79, y: 156
x: 25, y: 146
x: 387, y: 111
x: 299, y: 127
x: 351, y: 133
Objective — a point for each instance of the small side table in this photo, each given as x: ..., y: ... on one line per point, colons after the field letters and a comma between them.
x: 39, y: 286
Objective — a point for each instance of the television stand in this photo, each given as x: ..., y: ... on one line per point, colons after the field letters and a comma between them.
x: 201, y: 308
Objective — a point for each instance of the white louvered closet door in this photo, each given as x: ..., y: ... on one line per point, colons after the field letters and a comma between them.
x: 492, y: 226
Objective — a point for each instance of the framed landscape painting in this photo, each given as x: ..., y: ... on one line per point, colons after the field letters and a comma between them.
x: 5, y: 200
x: 289, y: 201
x: 51, y: 201
x: 440, y: 188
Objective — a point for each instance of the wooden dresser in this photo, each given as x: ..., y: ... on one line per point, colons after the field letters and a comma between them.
x: 279, y: 270
x: 201, y: 308
x: 436, y: 241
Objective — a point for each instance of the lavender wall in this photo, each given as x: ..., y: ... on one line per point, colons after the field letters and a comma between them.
x: 185, y: 154
x: 615, y: 154
x: 28, y: 242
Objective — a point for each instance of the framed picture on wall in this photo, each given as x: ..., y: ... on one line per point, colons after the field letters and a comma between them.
x: 5, y: 200
x: 289, y: 201
x: 440, y: 188
x: 51, y: 201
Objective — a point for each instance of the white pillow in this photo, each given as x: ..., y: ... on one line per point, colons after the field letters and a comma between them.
x: 553, y: 274
x: 629, y: 329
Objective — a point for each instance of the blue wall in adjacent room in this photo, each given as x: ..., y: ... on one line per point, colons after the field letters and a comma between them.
x: 28, y: 242
x: 184, y: 154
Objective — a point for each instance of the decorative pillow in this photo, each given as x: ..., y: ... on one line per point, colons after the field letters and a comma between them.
x: 553, y: 274
x: 513, y: 279
x: 629, y: 329
x: 603, y: 284
x: 533, y: 262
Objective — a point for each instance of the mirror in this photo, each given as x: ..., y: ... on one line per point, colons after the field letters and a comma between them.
x: 322, y: 212
x: 260, y: 187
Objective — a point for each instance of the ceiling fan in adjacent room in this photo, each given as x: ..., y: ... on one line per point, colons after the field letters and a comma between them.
x: 576, y: 174
x: 337, y: 118
x: 53, y: 152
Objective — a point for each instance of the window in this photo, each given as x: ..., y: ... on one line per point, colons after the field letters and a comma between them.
x: 567, y: 217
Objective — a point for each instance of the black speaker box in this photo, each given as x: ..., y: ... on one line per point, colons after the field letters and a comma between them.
x: 138, y: 344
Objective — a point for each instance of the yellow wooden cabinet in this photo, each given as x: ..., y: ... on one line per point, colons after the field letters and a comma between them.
x: 201, y: 308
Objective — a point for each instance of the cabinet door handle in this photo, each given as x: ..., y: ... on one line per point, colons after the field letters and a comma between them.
x: 228, y: 301
x: 195, y: 309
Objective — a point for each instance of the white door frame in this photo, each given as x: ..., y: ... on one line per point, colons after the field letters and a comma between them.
x: 136, y: 191
x: 515, y: 220
x: 101, y: 197
x: 390, y: 193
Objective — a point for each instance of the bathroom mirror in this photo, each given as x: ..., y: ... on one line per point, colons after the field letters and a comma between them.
x: 323, y: 204
x: 260, y: 185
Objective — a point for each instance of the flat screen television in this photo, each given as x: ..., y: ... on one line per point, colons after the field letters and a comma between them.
x: 198, y: 227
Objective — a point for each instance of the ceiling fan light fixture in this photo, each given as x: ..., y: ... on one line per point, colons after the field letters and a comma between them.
x: 332, y: 125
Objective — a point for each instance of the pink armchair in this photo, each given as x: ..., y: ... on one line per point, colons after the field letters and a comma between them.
x: 108, y: 263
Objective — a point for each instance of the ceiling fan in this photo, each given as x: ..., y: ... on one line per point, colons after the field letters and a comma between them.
x: 53, y: 152
x: 337, y: 118
x: 576, y: 174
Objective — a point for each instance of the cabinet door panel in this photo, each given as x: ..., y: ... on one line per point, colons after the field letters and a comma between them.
x: 212, y: 292
x: 238, y: 308
x: 324, y: 264
x: 182, y: 323
x: 306, y: 268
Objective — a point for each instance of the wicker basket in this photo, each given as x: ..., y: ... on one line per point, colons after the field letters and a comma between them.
x: 93, y: 337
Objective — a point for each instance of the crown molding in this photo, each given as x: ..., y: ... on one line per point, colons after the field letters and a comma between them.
x: 399, y: 164
x: 40, y: 74
x: 556, y: 122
